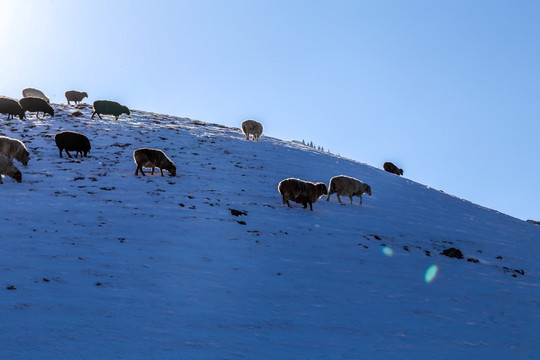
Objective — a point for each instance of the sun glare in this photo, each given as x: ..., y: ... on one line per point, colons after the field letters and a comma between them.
x: 6, y: 20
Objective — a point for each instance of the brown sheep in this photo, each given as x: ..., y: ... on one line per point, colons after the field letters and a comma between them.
x: 300, y: 191
x: 391, y: 168
x: 152, y: 158
x: 11, y: 107
x: 37, y: 104
x: 75, y: 96
x: 347, y: 186
x: 13, y: 148
x: 7, y: 168
x: 252, y: 127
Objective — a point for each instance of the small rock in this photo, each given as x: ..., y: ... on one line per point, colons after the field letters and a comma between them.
x: 238, y: 212
x: 453, y: 253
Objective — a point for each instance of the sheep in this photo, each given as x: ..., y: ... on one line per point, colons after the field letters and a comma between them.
x: 72, y: 141
x: 152, y: 158
x: 37, y: 104
x: 300, y: 191
x: 252, y: 127
x: 28, y: 92
x: 75, y: 96
x: 347, y: 186
x: 7, y: 168
x: 107, y: 107
x: 11, y: 107
x: 391, y: 168
x: 13, y: 148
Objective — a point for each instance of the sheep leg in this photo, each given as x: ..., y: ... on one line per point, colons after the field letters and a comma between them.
x: 1, y: 179
x: 351, y: 199
x: 152, y: 170
x: 139, y: 167
x: 60, y: 152
x: 360, y: 199
x: 339, y: 199
x: 310, y: 206
x: 328, y: 198
x: 161, y: 171
x: 67, y: 152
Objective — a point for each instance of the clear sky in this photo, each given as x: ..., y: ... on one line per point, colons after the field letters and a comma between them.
x: 447, y: 90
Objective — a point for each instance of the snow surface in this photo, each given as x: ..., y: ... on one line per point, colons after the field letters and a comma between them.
x: 97, y: 263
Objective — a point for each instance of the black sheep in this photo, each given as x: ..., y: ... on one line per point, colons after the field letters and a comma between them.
x: 11, y: 107
x: 391, y: 168
x: 72, y: 141
x: 33, y: 103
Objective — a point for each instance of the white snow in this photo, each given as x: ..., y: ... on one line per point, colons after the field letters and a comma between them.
x: 97, y: 263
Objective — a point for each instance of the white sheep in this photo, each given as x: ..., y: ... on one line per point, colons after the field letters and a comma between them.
x: 252, y: 127
x: 28, y: 92
x: 300, y: 191
x: 7, y: 168
x: 13, y: 148
x: 347, y: 186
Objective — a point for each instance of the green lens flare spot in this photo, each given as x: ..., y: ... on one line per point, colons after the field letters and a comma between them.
x: 431, y: 273
x: 387, y: 251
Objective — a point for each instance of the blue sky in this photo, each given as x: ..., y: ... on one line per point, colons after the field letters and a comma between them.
x: 447, y: 90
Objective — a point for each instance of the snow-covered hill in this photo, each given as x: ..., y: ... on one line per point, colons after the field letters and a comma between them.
x: 97, y: 263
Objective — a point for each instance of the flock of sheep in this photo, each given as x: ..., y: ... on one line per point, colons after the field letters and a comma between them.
x: 34, y: 100
x: 306, y: 192
x: 299, y: 191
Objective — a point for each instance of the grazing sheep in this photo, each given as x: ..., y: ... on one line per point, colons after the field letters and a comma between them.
x: 75, y: 96
x: 107, y: 107
x: 33, y: 103
x: 152, y: 158
x: 252, y: 127
x: 391, y: 168
x: 29, y: 92
x: 72, y: 141
x: 13, y: 148
x: 347, y: 186
x: 7, y: 168
x: 300, y: 191
x: 11, y: 107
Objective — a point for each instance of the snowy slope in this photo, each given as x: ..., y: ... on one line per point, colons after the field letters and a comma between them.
x: 97, y: 263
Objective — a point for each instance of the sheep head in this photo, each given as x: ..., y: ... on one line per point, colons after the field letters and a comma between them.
x: 17, y: 175
x: 321, y: 189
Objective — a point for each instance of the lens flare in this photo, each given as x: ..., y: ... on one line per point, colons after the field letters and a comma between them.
x: 387, y: 251
x: 431, y: 273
